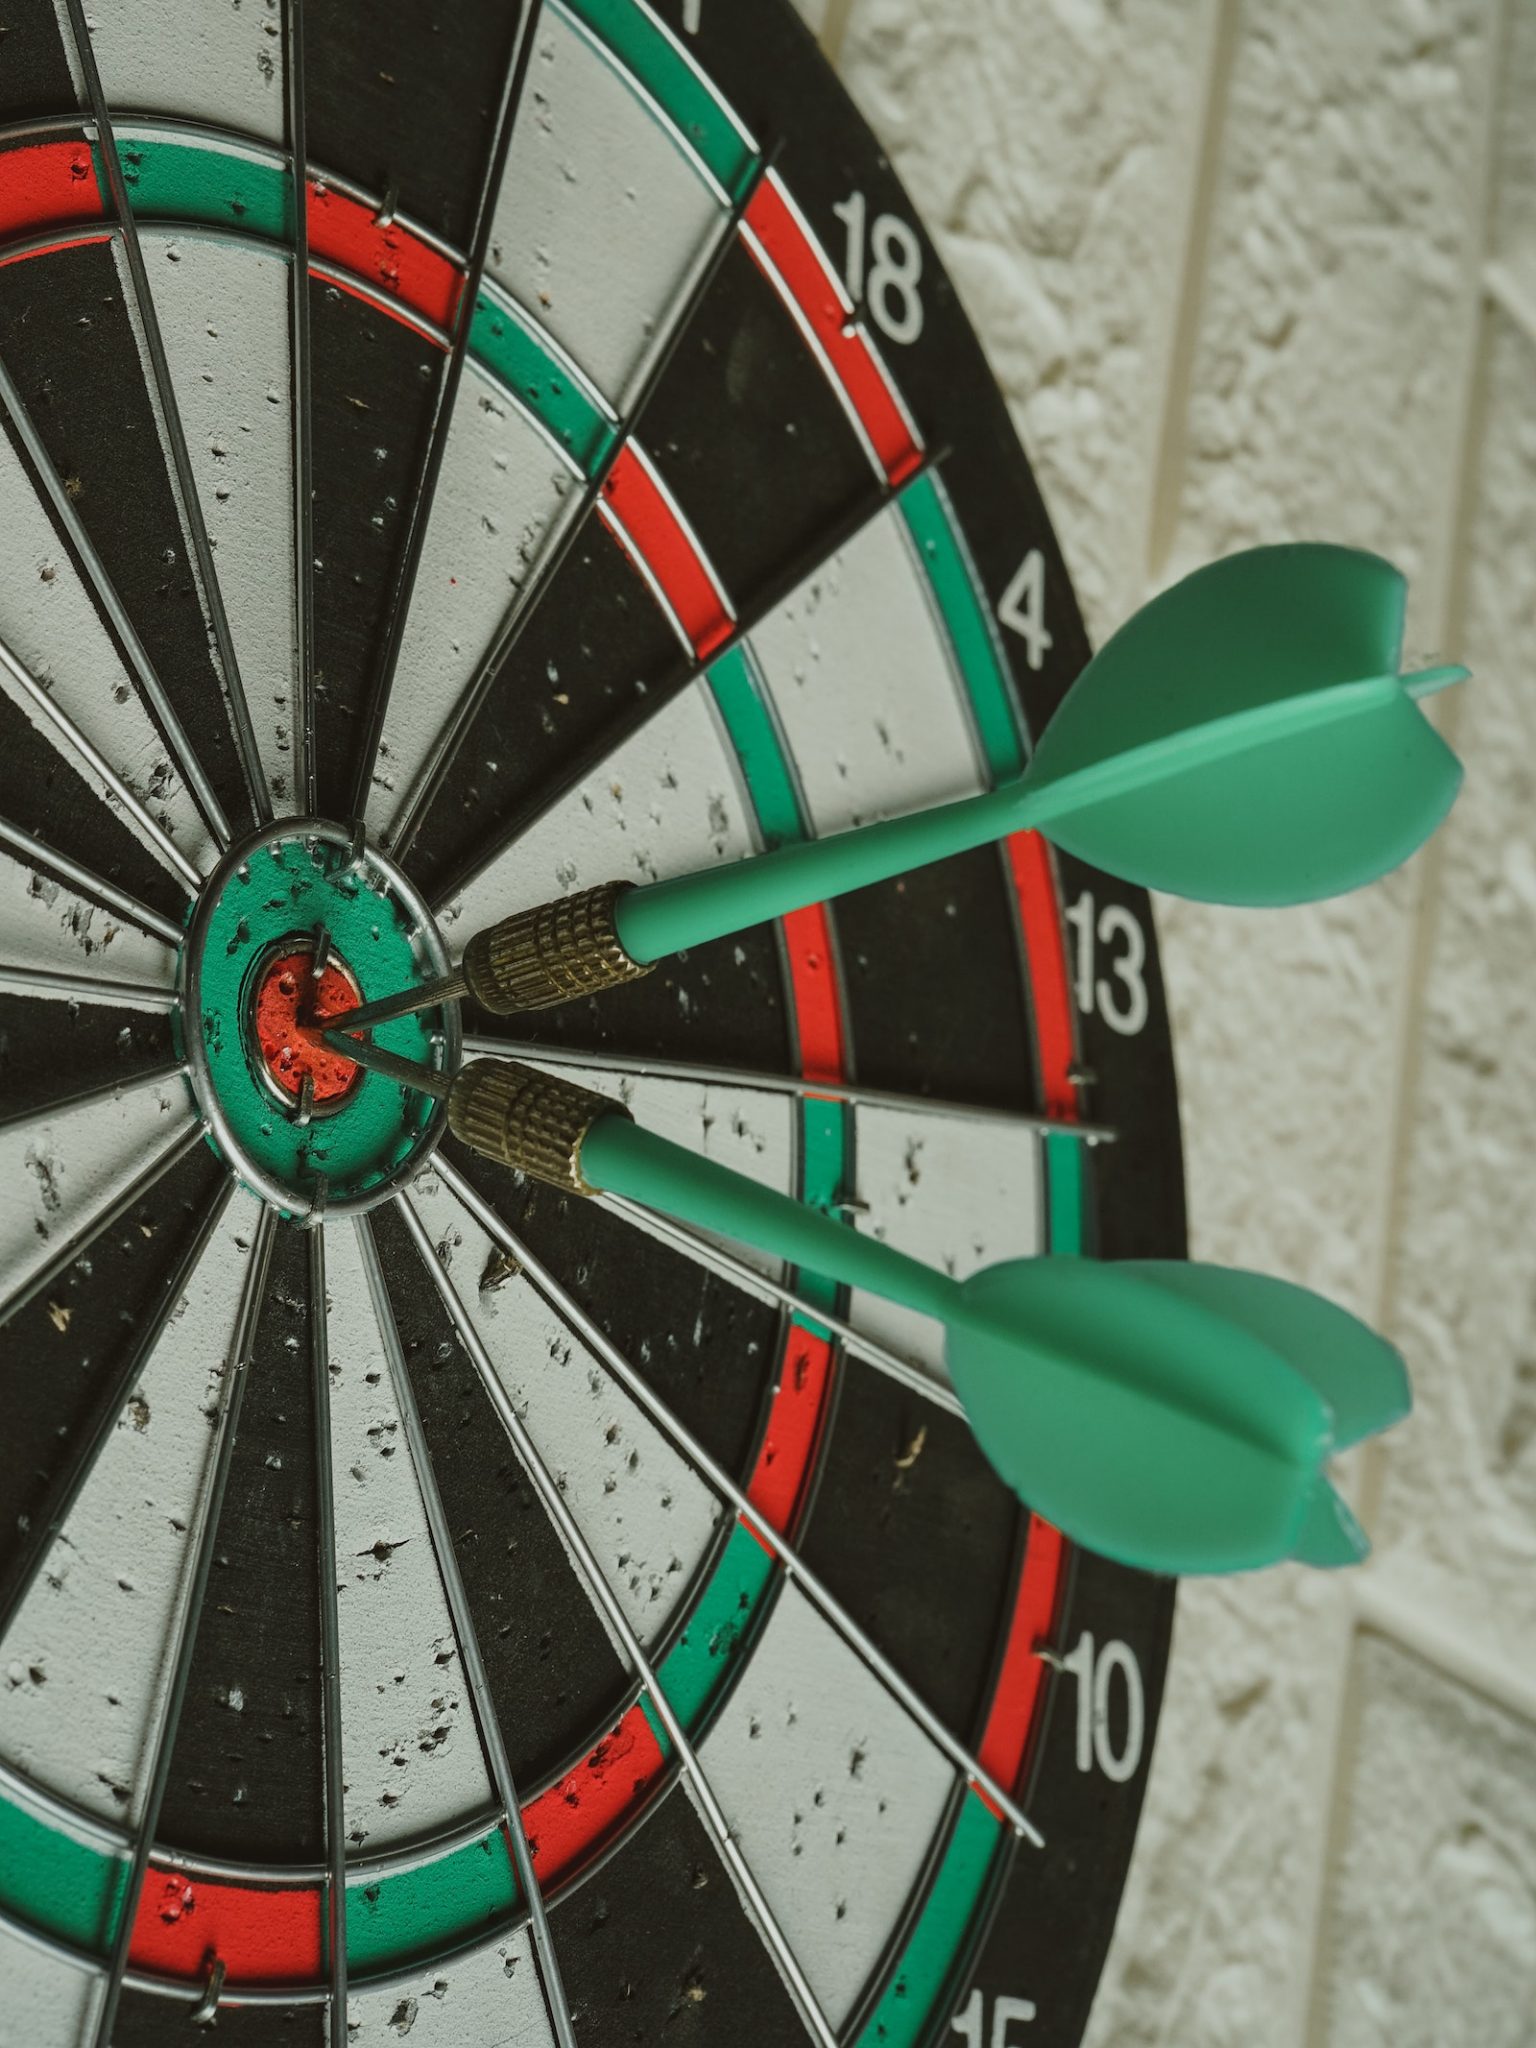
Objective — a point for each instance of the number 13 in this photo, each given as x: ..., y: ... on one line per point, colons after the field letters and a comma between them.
x: 1121, y: 1002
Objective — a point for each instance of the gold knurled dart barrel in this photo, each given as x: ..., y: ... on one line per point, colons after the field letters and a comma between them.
x: 537, y: 958
x: 527, y: 1120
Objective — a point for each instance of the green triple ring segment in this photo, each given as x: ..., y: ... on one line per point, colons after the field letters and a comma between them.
x: 278, y: 889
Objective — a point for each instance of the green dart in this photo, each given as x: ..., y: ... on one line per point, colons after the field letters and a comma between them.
x: 1245, y: 738
x: 1176, y: 1417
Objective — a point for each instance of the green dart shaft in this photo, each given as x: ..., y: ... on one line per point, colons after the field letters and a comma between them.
x: 666, y: 917
x: 1176, y: 1417
x: 623, y: 1159
x: 690, y: 910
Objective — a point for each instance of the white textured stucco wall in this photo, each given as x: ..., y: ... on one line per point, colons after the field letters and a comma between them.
x: 1257, y: 272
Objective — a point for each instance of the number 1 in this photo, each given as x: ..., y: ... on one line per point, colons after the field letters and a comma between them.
x: 693, y: 12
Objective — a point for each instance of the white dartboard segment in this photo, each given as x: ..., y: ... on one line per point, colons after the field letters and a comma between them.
x: 50, y: 624
x: 488, y: 1995
x: 833, y: 1793
x: 861, y: 679
x: 223, y: 309
x: 751, y: 1131
x: 649, y: 1520
x: 667, y: 800
x: 59, y: 1171
x: 959, y: 1193
x: 86, y: 1660
x: 77, y: 759
x: 229, y: 63
x: 503, y: 493
x: 410, y: 1749
x: 603, y: 219
x: 45, y: 923
x: 47, y: 1999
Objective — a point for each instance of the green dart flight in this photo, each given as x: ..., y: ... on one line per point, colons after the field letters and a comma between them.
x: 1246, y: 738
x: 1176, y: 1417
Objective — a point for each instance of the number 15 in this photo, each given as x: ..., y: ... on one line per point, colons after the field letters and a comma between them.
x: 1004, y: 2012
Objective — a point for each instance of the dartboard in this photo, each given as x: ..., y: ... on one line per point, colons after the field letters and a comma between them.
x: 456, y: 455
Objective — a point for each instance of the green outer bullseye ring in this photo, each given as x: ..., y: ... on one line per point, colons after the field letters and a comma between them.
x: 282, y: 884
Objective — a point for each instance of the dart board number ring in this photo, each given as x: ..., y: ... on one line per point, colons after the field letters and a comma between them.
x: 355, y: 1143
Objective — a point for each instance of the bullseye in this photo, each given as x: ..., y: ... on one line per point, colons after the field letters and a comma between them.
x: 299, y: 1120
x: 289, y: 1008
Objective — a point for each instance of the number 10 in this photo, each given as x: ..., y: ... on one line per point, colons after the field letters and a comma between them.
x: 1004, y: 2012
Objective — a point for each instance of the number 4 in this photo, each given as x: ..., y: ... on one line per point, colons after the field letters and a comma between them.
x: 1023, y: 608
x: 1004, y: 2012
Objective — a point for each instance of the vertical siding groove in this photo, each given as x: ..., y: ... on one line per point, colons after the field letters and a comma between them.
x: 1168, y: 469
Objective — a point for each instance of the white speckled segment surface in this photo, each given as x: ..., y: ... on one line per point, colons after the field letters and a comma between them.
x: 49, y: 622
x: 84, y: 1666
x: 411, y: 1750
x: 45, y: 924
x: 751, y: 1131
x: 99, y: 791
x: 666, y: 800
x: 1430, y: 1925
x: 955, y: 1193
x: 47, y: 2001
x: 489, y: 1995
x: 601, y: 275
x: 646, y: 1516
x: 861, y: 678
x: 229, y: 59
x: 58, y: 1171
x: 223, y: 308
x: 502, y: 495
x: 833, y: 1793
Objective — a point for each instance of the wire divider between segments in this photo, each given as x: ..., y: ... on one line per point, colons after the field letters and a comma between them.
x: 90, y: 1440
x: 492, y: 1740
x: 429, y: 779
x: 36, y: 853
x: 48, y: 706
x: 153, y: 690
x: 570, y: 1530
x: 773, y: 1540
x: 513, y: 83
x: 181, y: 459
x: 163, y: 1739
x: 330, y: 1649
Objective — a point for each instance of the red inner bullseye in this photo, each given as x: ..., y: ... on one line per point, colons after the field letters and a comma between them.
x: 290, y: 1050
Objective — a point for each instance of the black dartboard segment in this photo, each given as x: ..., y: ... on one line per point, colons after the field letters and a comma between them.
x: 366, y: 1526
x: 76, y: 355
x: 373, y: 383
x: 246, y: 1771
